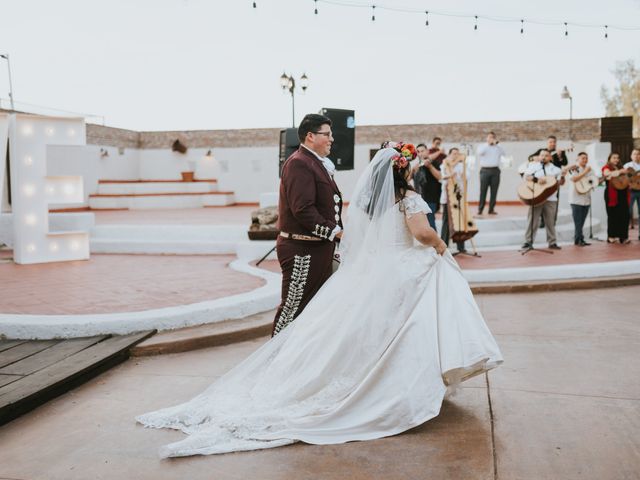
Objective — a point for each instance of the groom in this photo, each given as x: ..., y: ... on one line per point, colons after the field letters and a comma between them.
x: 309, y: 221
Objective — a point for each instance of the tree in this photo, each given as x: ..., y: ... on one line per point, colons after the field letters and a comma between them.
x: 625, y: 98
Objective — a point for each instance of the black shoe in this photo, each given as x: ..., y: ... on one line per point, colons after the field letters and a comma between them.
x: 493, y: 213
x: 555, y: 246
x: 526, y: 246
x: 584, y: 244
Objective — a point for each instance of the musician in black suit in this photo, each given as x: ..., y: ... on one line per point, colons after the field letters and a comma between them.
x: 558, y: 155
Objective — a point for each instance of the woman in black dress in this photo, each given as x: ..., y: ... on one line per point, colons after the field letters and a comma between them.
x: 617, y: 202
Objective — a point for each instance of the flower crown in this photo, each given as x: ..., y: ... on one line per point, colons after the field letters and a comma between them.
x: 406, y: 153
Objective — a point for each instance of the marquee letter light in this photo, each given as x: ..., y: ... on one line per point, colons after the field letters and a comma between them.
x: 4, y: 132
x: 32, y: 190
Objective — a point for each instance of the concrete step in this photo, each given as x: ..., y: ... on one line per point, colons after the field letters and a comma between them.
x: 167, y: 239
x: 139, y: 188
x: 204, y: 336
x: 160, y: 200
x: 564, y: 233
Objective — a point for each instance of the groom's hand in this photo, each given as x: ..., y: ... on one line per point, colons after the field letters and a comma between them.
x: 339, y: 234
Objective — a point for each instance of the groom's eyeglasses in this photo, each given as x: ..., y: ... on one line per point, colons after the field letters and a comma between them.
x: 326, y: 134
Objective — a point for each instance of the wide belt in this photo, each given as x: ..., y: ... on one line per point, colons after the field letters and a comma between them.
x: 296, y: 236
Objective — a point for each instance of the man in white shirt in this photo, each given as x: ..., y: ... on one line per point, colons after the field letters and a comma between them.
x: 489, y: 158
x: 634, y: 165
x: 580, y: 202
x: 536, y: 171
x: 450, y: 167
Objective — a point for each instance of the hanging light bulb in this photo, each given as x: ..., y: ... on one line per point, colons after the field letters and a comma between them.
x: 373, y: 13
x: 606, y: 31
x: 427, y: 13
x: 566, y: 30
x: 475, y: 27
x: 521, y: 26
x: 315, y: 11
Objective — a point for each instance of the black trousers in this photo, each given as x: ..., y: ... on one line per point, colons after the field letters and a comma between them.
x: 618, y: 220
x: 444, y: 234
x: 305, y: 265
x: 579, y: 213
x: 489, y: 179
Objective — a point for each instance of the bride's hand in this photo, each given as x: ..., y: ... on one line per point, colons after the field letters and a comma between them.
x: 440, y: 247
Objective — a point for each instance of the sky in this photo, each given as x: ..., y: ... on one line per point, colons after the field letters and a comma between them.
x: 151, y: 65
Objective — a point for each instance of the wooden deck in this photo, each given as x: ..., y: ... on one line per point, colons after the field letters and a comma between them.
x: 33, y: 372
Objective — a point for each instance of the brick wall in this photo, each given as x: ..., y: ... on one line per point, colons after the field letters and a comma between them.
x: 112, y: 137
x: 585, y: 129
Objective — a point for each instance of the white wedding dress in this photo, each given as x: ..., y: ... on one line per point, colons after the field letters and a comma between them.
x: 370, y: 356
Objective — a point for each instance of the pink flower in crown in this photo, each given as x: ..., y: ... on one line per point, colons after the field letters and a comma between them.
x: 399, y: 161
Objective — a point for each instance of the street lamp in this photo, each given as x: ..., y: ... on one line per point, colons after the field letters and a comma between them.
x: 564, y: 95
x: 287, y: 82
x: 6, y: 57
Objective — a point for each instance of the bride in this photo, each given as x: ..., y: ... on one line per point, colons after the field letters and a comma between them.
x: 373, y: 352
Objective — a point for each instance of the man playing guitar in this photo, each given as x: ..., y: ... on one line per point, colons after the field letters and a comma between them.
x: 537, y: 172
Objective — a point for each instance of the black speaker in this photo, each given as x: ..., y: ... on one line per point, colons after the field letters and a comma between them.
x: 289, y: 143
x: 344, y: 136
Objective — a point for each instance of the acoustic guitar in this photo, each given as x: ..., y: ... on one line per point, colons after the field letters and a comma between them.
x: 585, y: 185
x: 535, y: 193
x: 634, y: 181
x: 619, y: 179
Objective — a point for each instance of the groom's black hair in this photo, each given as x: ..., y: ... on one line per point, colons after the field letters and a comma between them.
x: 311, y: 123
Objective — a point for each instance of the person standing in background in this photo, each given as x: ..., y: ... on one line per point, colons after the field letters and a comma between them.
x: 426, y: 180
x: 489, y: 158
x: 580, y: 202
x: 634, y: 166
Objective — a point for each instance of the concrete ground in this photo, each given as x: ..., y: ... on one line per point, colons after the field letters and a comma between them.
x: 565, y: 405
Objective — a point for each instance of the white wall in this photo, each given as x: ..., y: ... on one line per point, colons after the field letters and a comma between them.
x: 88, y: 162
x: 254, y: 170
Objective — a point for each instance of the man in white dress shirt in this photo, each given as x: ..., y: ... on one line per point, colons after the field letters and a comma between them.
x: 536, y: 171
x: 634, y: 164
x: 489, y: 158
x: 580, y: 202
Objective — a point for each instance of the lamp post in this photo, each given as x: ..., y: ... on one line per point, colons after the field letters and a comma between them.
x: 564, y: 95
x: 287, y: 82
x: 6, y: 57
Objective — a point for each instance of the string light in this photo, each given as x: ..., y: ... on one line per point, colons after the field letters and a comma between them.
x: 476, y: 18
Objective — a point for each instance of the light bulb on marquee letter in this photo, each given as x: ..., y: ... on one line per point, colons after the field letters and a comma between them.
x: 29, y: 190
x: 31, y: 219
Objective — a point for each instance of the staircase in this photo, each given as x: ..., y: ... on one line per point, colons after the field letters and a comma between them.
x: 149, y: 194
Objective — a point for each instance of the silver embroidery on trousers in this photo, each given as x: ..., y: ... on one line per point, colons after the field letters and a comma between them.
x: 322, y: 232
x: 294, y: 293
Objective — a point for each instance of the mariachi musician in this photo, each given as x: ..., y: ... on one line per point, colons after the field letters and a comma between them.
x: 451, y: 170
x: 536, y: 172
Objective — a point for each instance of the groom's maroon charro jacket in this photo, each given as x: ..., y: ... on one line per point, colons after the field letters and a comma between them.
x: 310, y: 207
x: 310, y: 201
